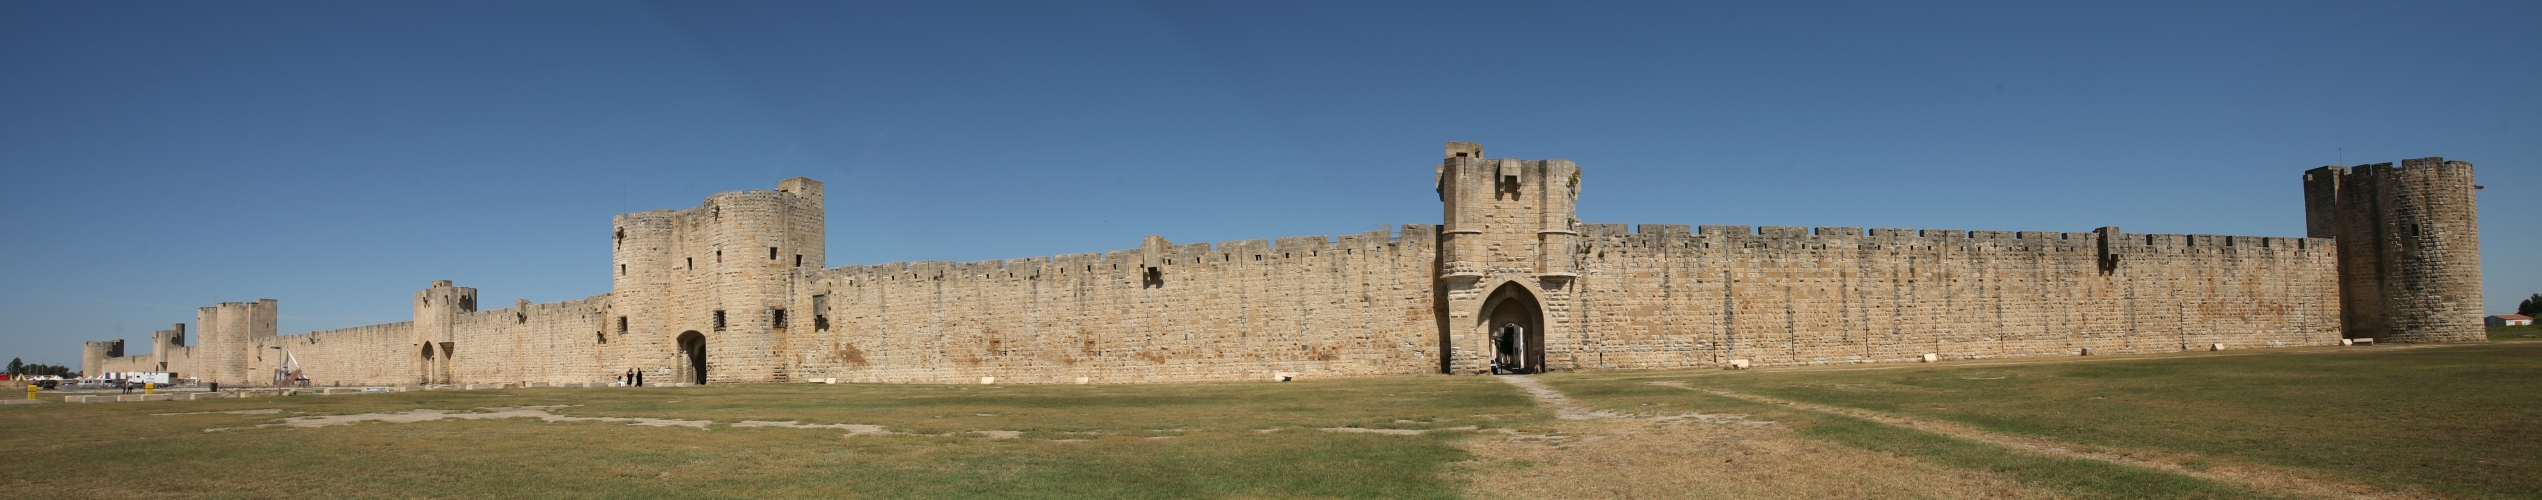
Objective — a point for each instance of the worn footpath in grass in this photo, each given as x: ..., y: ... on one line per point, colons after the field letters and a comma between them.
x: 1107, y: 441
x: 2455, y: 420
x: 1633, y: 392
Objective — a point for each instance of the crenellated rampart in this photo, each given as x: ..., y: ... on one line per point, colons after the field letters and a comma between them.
x: 1359, y: 304
x: 1664, y: 296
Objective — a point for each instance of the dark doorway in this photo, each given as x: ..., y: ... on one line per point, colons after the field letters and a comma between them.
x: 1513, y: 323
x: 693, y: 350
x: 424, y: 366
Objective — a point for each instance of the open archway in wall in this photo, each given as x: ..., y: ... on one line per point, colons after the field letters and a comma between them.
x: 424, y: 365
x: 692, y: 357
x: 1514, y: 328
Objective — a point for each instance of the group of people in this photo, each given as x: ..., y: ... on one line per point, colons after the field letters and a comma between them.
x: 633, y: 378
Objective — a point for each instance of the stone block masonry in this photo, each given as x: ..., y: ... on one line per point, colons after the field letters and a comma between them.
x: 1662, y: 297
x: 737, y: 290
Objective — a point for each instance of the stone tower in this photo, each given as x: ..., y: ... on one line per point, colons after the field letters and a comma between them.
x: 1505, y: 258
x: 231, y: 332
x: 92, y: 356
x: 2409, y: 248
x: 437, y: 311
x: 704, y: 292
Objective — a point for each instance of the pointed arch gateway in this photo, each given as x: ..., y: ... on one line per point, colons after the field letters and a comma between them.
x: 1513, y: 325
x: 692, y: 357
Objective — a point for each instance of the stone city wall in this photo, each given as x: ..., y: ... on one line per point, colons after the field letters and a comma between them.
x: 1663, y: 297
x: 1240, y: 310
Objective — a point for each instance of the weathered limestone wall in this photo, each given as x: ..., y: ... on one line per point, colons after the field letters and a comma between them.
x: 1662, y: 298
x: 2411, y: 271
x: 358, y: 355
x: 1240, y: 310
x: 551, y: 342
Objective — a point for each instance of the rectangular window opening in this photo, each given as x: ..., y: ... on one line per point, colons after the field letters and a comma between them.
x: 820, y: 312
x: 622, y: 325
x: 798, y: 260
x: 777, y: 318
x: 772, y: 253
x: 719, y: 320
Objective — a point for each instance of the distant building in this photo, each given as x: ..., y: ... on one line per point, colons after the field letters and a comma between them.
x: 2510, y: 320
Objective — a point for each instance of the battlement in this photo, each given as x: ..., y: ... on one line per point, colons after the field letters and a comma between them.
x: 1160, y: 253
x: 1660, y: 235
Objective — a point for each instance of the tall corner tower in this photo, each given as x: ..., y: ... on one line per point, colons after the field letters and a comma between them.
x: 2409, y: 247
x: 1505, y: 258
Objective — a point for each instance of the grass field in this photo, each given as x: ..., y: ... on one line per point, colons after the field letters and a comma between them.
x: 2454, y: 421
x: 1099, y: 441
x: 2450, y: 421
x: 2525, y: 332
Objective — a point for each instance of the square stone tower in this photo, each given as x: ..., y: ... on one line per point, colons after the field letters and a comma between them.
x: 701, y: 295
x: 1506, y: 250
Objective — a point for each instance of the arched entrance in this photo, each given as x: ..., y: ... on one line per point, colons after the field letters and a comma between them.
x: 1514, y: 326
x: 424, y: 365
x: 693, y: 355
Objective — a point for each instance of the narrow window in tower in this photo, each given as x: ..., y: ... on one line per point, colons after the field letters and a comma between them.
x: 691, y: 261
x: 622, y: 325
x: 777, y: 318
x: 798, y: 260
x: 772, y: 253
x: 719, y: 320
x: 622, y: 269
x: 820, y: 312
x: 719, y: 256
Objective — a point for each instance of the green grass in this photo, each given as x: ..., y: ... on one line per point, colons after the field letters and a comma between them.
x: 1106, y: 441
x: 2455, y: 420
x: 2523, y: 332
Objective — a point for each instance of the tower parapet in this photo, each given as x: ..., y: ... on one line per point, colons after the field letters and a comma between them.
x: 2409, y: 247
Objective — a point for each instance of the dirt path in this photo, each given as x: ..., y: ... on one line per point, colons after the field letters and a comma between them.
x: 1562, y: 406
x: 2263, y: 477
x: 545, y: 413
x: 1587, y: 452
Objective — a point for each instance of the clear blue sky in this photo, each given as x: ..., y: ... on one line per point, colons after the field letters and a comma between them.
x: 161, y: 156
